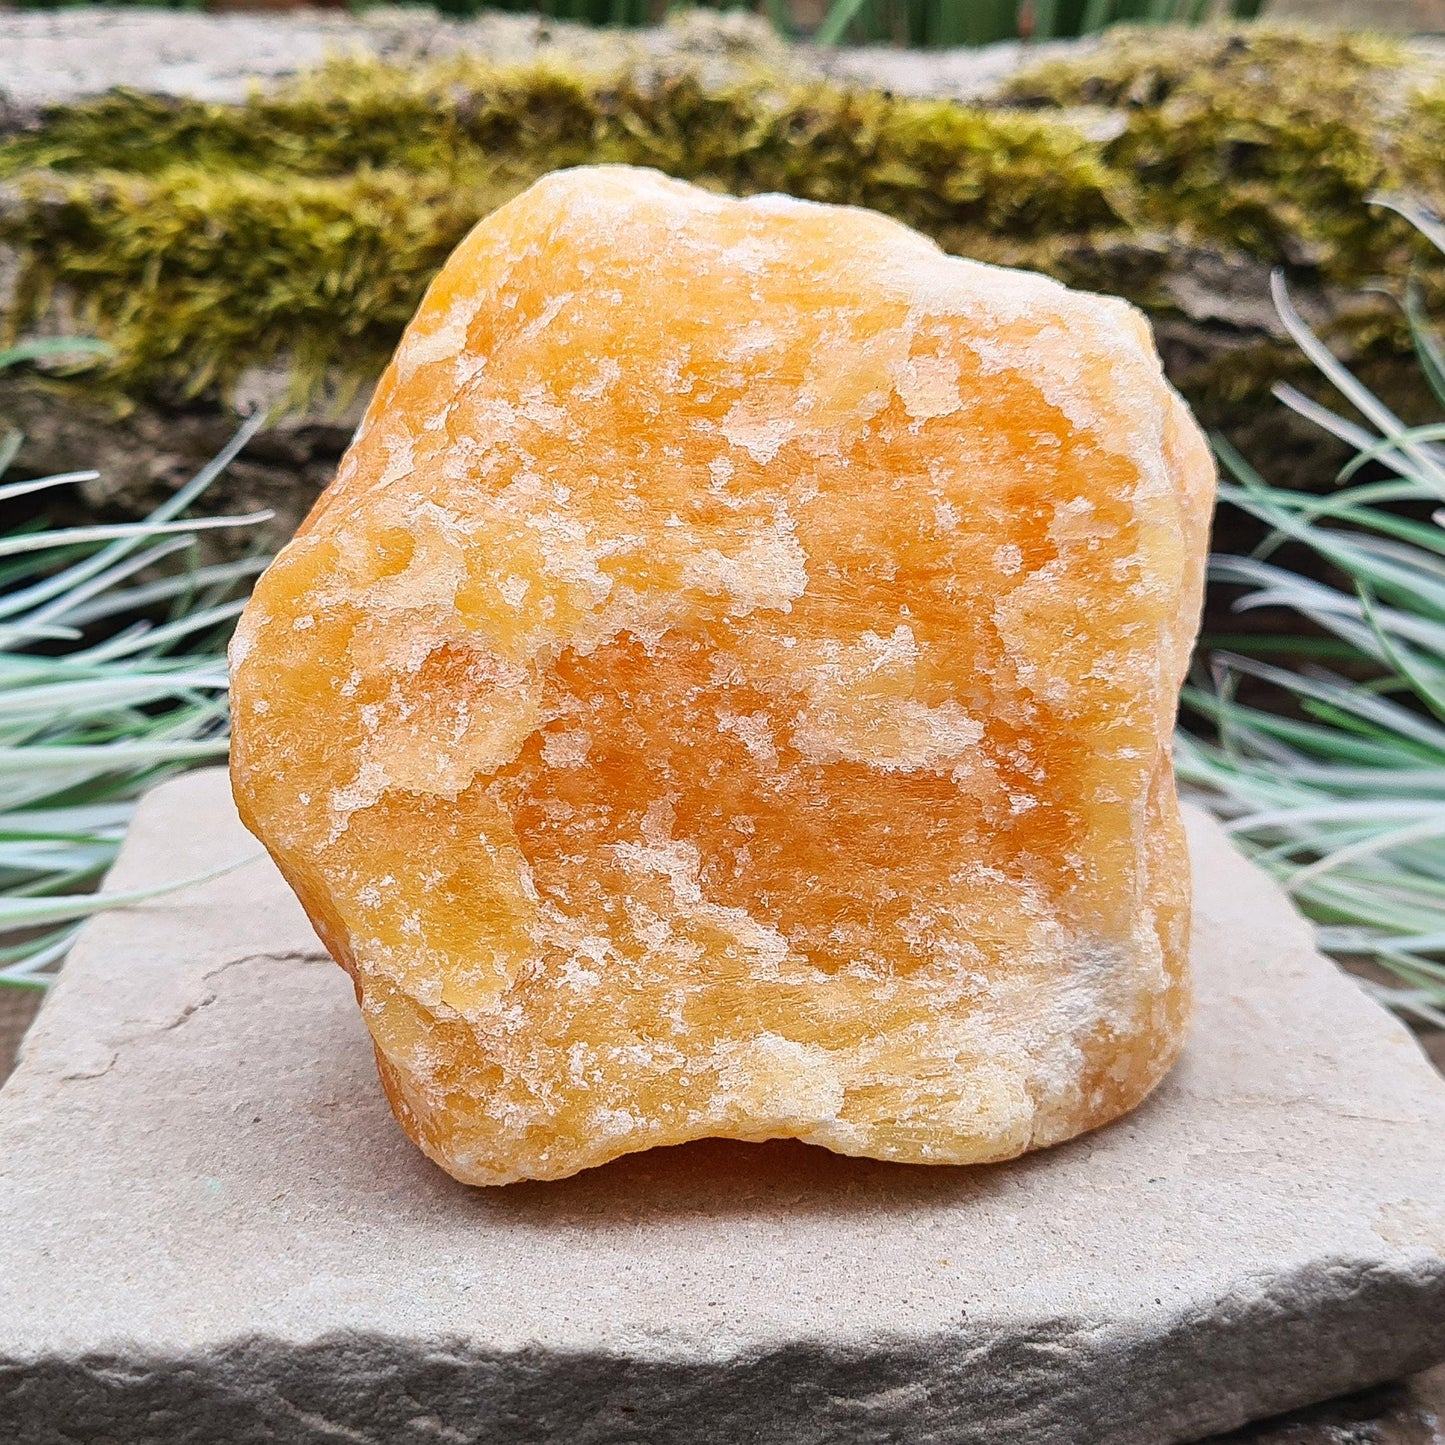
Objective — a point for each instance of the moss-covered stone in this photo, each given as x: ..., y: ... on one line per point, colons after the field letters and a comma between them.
x: 203, y: 238
x: 1268, y: 142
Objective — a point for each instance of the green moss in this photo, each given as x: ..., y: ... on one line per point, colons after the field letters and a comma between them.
x: 1016, y: 172
x: 1267, y: 141
x: 194, y: 275
x: 1145, y: 66
x: 1422, y: 142
x: 306, y: 225
x: 346, y: 116
x: 203, y: 239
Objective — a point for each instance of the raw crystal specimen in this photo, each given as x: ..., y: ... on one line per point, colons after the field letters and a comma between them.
x: 727, y: 691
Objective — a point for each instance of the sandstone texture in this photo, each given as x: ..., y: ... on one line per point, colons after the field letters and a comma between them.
x: 58, y: 57
x: 215, y: 1232
x: 1405, y: 1412
x: 728, y: 691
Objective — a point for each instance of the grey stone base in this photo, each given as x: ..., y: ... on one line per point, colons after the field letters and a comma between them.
x: 214, y: 1231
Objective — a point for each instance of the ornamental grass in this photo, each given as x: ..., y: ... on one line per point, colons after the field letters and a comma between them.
x: 1325, y: 746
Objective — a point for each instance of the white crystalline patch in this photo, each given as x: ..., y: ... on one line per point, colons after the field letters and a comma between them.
x: 525, y: 492
x: 436, y: 569
x: 570, y: 557
x: 1095, y: 984
x: 567, y: 749
x: 362, y: 791
x: 437, y: 738
x: 672, y: 380
x: 514, y: 590
x: 400, y: 458
x: 496, y: 419
x: 607, y: 375
x: 928, y: 386
x: 657, y: 821
x: 1009, y: 558
x: 769, y: 1079
x: 1129, y: 421
x: 1089, y: 356
x: 587, y: 956
x: 861, y: 707
x: 760, y: 434
x: 891, y: 734
x: 901, y: 646
x: 773, y: 203
x: 849, y: 379
x: 579, y: 978
x: 678, y: 862
x: 1075, y: 521
x: 1027, y: 613
x: 762, y: 948
x: 243, y: 639
x: 754, y: 731
x: 613, y: 1123
x: 1003, y: 1052
x: 750, y: 255
x: 769, y: 572
x: 547, y: 315
x: 721, y: 470
x: 655, y: 932
x: 467, y: 368
x: 992, y: 1104
x: 944, y: 731
x: 646, y: 615
x: 448, y: 340
x: 752, y: 340
x: 538, y: 407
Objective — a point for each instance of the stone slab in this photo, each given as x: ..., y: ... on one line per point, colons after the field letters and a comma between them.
x: 50, y: 57
x: 214, y: 1232
x: 1405, y: 1412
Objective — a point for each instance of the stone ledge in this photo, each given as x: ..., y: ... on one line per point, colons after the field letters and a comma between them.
x: 57, y: 57
x: 216, y: 1233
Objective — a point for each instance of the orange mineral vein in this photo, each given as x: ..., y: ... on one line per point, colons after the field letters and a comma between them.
x: 727, y: 691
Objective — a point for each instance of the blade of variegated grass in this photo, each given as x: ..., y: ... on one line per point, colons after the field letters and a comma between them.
x: 1339, y: 789
x: 109, y: 708
x: 58, y: 585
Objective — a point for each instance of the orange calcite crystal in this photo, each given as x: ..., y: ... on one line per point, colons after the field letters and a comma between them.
x: 727, y: 690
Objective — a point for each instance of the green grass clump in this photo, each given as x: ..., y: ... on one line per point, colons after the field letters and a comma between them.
x: 112, y: 675
x: 1332, y: 775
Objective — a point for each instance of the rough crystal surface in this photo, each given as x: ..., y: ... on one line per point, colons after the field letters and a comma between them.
x: 727, y: 689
